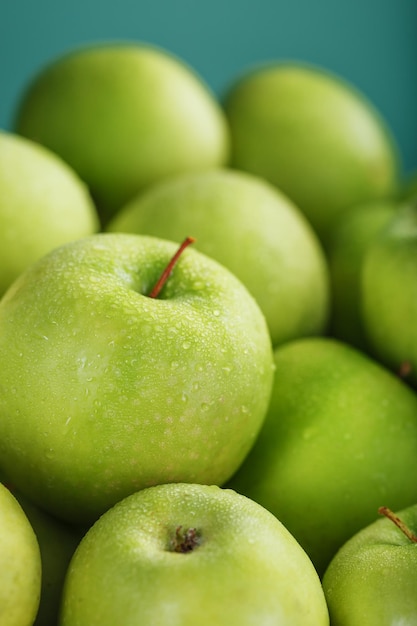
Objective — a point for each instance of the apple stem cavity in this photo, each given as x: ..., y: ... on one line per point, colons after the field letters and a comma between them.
x: 384, y: 510
x: 167, y: 271
x: 185, y: 540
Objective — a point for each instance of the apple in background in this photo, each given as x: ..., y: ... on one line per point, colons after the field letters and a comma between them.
x: 20, y: 564
x: 409, y: 190
x: 106, y: 390
x: 389, y: 294
x: 183, y: 554
x: 43, y: 204
x: 349, y: 240
x: 124, y: 115
x: 340, y: 437
x: 248, y: 226
x: 372, y: 580
x: 314, y: 136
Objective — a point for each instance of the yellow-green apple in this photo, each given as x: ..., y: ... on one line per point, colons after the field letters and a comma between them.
x: 340, y: 437
x: 314, y: 135
x: 389, y: 294
x: 186, y: 554
x: 20, y: 564
x: 57, y: 542
x: 107, y: 389
x: 123, y: 115
x: 372, y: 579
x: 349, y: 241
x: 252, y: 229
x: 43, y: 204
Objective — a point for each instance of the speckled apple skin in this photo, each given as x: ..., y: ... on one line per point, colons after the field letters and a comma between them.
x: 246, y: 568
x: 105, y: 391
x: 372, y: 579
x: 338, y: 442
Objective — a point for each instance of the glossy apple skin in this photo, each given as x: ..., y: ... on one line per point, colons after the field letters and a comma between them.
x: 349, y: 242
x: 43, y: 204
x: 20, y: 564
x: 246, y: 569
x: 124, y: 115
x: 106, y: 390
x: 314, y: 136
x: 389, y: 286
x: 248, y: 226
x: 339, y: 440
x: 372, y: 579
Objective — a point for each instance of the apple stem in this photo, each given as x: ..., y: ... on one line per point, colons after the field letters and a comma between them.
x: 384, y: 510
x: 167, y: 271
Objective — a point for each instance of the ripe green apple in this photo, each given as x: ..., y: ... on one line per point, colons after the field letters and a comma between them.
x: 248, y: 226
x: 340, y: 437
x: 106, y: 390
x: 20, y: 564
x: 124, y: 115
x: 372, y: 580
x: 349, y: 241
x: 389, y: 294
x: 57, y: 543
x: 314, y: 136
x: 186, y: 554
x: 43, y: 204
x: 409, y: 188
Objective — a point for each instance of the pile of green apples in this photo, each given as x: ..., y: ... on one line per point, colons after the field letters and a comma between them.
x: 208, y: 350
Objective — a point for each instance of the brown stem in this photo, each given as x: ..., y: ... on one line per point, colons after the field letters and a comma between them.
x: 384, y: 510
x: 167, y: 271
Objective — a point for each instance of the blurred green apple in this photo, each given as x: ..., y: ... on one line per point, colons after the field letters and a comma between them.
x: 389, y: 294
x: 106, y: 390
x: 339, y: 439
x: 182, y: 555
x: 314, y: 136
x: 20, y: 564
x: 57, y: 543
x: 43, y: 204
x: 252, y: 229
x: 349, y: 241
x: 124, y: 115
x: 372, y: 580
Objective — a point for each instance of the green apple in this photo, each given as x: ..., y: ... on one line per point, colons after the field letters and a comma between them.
x: 314, y: 136
x: 248, y: 226
x: 340, y: 437
x: 186, y: 554
x: 409, y: 189
x: 349, y: 241
x: 106, y: 390
x: 57, y: 543
x: 43, y: 204
x: 389, y: 294
x: 124, y: 115
x: 20, y: 564
x: 372, y: 580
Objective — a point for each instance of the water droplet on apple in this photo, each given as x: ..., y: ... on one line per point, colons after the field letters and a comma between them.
x: 186, y: 345
x: 216, y: 312
x: 204, y: 406
x: 174, y: 364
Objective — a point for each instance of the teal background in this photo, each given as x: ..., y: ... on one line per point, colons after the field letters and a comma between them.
x: 371, y: 43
